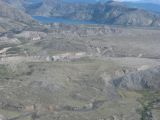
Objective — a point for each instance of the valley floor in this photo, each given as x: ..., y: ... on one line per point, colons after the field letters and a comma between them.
x: 76, y: 72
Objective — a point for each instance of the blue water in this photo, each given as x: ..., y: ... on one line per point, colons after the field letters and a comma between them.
x: 45, y: 20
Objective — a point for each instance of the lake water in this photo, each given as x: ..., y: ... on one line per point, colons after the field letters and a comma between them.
x: 46, y: 20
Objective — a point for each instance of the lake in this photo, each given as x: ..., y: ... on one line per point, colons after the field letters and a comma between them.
x: 45, y: 20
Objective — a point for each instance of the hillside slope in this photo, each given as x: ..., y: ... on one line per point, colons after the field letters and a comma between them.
x: 118, y: 14
x: 13, y: 19
x: 113, y: 13
x: 14, y: 14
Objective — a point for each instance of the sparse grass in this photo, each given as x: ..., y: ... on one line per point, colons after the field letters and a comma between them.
x: 12, y: 114
x: 81, y: 76
x: 147, y: 101
x: 14, y: 50
x: 5, y: 72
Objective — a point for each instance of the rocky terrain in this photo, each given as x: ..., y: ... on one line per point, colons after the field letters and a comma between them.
x: 78, y: 72
x: 111, y: 13
x: 12, y: 19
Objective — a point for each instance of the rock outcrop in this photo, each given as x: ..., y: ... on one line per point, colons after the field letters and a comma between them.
x: 140, y: 80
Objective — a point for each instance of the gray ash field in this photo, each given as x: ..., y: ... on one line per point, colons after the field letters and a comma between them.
x: 80, y: 72
x: 77, y: 72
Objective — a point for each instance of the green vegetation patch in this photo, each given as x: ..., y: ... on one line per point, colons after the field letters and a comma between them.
x: 149, y: 101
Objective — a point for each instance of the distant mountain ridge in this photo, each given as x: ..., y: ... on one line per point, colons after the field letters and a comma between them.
x: 146, y: 6
x: 119, y: 14
x: 111, y: 12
